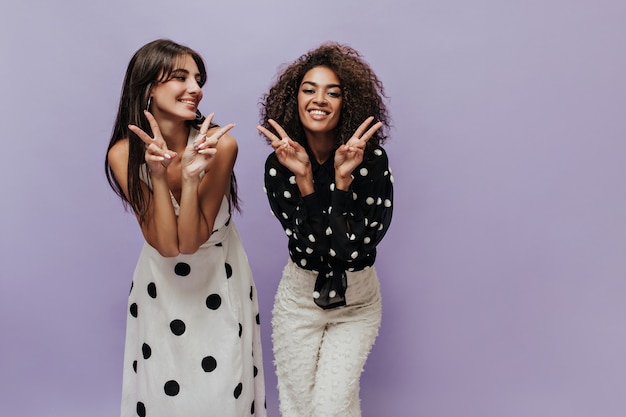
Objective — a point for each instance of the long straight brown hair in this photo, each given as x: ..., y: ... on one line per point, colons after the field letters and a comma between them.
x: 151, y: 64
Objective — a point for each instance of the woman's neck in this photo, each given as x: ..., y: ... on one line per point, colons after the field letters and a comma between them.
x: 175, y: 134
x: 321, y: 145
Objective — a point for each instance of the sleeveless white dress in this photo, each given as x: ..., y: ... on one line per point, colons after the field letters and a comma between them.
x: 193, y: 340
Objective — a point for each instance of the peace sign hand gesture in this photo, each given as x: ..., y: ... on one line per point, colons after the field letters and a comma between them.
x: 201, y: 152
x: 289, y: 152
x: 158, y: 157
x: 350, y: 155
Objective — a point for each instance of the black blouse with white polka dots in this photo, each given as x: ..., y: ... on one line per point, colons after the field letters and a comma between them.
x: 332, y: 231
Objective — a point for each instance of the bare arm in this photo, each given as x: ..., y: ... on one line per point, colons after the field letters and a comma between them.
x: 159, y: 226
x: 201, y: 198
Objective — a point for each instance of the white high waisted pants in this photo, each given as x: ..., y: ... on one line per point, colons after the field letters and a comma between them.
x: 319, y: 354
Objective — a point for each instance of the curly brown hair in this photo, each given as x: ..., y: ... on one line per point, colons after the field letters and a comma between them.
x: 363, y: 94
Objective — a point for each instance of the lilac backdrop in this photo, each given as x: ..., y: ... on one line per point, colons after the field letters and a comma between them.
x: 503, y: 275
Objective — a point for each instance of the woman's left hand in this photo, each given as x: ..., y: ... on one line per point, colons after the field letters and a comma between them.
x: 200, y: 153
x: 350, y: 155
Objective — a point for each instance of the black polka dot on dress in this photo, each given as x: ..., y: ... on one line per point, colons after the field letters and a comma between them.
x: 182, y: 269
x: 171, y: 388
x: 146, y: 350
x: 209, y: 364
x: 152, y: 292
x: 238, y: 390
x: 141, y: 409
x: 177, y: 327
x: 213, y: 301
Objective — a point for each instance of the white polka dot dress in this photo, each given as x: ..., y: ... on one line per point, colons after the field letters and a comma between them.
x: 193, y: 342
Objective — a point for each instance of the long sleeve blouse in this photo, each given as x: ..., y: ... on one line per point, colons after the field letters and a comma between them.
x: 331, y: 229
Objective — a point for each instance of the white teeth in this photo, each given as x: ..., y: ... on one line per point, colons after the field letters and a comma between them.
x: 318, y: 112
x: 188, y: 102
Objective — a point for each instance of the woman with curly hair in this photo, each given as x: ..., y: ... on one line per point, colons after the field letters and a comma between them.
x: 329, y: 184
x: 193, y: 343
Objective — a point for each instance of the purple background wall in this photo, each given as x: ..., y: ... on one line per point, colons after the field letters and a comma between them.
x: 503, y: 275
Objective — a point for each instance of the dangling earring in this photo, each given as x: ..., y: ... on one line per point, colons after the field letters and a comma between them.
x: 199, y: 117
x: 149, y: 103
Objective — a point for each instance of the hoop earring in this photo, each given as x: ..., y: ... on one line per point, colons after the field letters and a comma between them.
x: 149, y: 103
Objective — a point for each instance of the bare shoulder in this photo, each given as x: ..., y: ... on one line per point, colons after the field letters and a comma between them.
x: 227, y: 144
x: 118, y: 151
x: 118, y: 155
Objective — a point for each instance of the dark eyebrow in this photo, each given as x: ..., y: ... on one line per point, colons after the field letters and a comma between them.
x: 327, y: 86
x: 184, y: 71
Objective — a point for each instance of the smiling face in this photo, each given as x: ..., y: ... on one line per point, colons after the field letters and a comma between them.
x: 319, y: 101
x: 178, y: 96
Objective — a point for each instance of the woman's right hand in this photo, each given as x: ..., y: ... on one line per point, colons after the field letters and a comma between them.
x: 158, y: 156
x: 289, y: 152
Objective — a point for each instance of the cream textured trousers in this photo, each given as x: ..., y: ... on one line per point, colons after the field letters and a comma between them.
x: 319, y: 354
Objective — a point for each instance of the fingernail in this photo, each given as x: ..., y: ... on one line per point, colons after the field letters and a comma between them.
x: 167, y: 156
